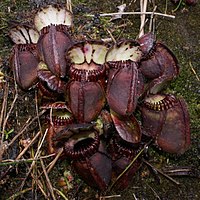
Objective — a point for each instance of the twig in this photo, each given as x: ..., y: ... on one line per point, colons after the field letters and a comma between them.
x: 132, y: 13
x: 166, y: 1
x: 9, y: 112
x: 40, y: 185
x: 112, y: 37
x: 133, y: 1
x: 156, y: 195
x: 151, y: 20
x: 139, y: 35
x: 48, y: 180
x: 4, y: 105
x: 3, y: 145
x: 135, y: 197
x: 35, y: 158
x: 69, y: 5
x: 143, y: 8
x: 160, y: 172
x: 182, y: 171
x: 4, y: 118
x: 25, y: 149
x: 52, y: 164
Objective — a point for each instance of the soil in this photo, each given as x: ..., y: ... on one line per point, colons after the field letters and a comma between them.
x: 181, y: 35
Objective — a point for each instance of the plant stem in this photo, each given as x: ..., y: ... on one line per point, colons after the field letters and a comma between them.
x: 133, y: 13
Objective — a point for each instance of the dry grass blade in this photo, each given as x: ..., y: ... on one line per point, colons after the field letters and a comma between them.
x: 52, y: 164
x: 155, y: 193
x: 13, y: 162
x: 10, y: 110
x: 193, y: 71
x: 178, y: 6
x: 110, y: 197
x: 26, y: 125
x: 5, y: 116
x: 19, y: 193
x: 37, y: 154
x: 37, y: 110
x: 4, y: 105
x: 61, y: 194
x: 134, y: 196
x: 130, y: 165
x: 40, y: 186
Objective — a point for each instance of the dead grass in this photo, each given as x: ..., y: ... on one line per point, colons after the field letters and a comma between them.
x: 26, y: 170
